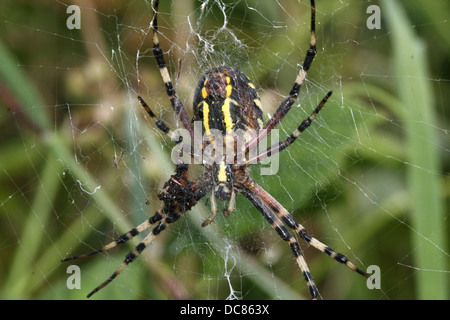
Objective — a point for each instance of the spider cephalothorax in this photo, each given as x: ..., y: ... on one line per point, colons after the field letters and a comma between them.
x: 226, y: 103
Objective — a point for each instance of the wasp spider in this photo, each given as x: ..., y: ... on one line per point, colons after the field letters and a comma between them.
x: 225, y: 100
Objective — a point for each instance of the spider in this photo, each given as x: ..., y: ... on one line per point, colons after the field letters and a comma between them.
x: 225, y: 100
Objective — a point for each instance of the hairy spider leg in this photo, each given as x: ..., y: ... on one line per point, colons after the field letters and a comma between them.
x: 290, y: 139
x: 179, y: 195
x: 289, y: 220
x: 123, y: 238
x: 282, y: 231
x: 136, y: 252
x: 177, y: 106
x: 286, y: 105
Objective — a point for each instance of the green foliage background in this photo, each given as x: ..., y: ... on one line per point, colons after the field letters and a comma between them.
x: 79, y: 160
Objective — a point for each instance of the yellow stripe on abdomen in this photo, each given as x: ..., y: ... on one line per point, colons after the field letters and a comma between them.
x: 227, y: 116
x: 206, y: 118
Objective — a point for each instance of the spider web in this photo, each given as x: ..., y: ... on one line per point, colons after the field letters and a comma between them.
x: 81, y: 163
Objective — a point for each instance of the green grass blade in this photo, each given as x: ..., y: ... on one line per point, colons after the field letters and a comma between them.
x: 425, y: 188
x: 22, y: 89
x: 33, y: 234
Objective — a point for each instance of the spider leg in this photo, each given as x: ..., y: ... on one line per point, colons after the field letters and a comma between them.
x: 286, y: 105
x: 290, y: 139
x: 123, y: 238
x: 136, y: 252
x: 174, y: 208
x: 282, y: 231
x: 160, y: 124
x: 289, y: 220
x: 159, y: 55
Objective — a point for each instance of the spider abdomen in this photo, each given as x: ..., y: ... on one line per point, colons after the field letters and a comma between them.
x: 225, y: 100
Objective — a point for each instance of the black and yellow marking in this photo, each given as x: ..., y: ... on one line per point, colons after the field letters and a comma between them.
x: 130, y: 257
x: 339, y: 257
x: 222, y: 174
x: 160, y: 124
x: 177, y: 106
x: 289, y: 220
x: 122, y: 238
x: 226, y: 100
x: 278, y: 147
x: 284, y: 234
x: 287, y: 104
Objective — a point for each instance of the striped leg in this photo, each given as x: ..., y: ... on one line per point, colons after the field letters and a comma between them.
x: 286, y: 105
x: 123, y: 238
x: 290, y: 139
x: 276, y: 223
x: 159, y: 56
x: 289, y: 220
x: 136, y: 252
x: 160, y: 124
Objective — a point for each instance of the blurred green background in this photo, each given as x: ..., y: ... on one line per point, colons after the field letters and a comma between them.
x: 80, y: 163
